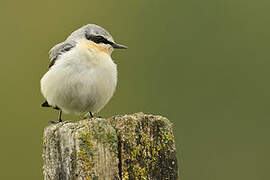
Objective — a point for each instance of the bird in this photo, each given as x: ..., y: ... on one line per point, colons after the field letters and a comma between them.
x: 82, y: 75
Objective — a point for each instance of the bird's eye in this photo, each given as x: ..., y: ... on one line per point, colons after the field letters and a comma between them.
x: 97, y: 39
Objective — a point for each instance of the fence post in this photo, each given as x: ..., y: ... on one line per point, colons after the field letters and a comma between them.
x: 136, y: 146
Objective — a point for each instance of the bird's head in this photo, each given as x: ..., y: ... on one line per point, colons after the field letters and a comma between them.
x: 95, y: 37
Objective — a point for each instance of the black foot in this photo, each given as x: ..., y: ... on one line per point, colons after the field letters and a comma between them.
x: 91, y: 115
x: 59, y: 118
x: 55, y: 122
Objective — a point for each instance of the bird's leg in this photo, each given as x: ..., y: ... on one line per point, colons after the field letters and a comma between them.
x: 60, y: 116
x: 90, y: 115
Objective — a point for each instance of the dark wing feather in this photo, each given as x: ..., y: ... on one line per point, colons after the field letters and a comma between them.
x: 59, y: 49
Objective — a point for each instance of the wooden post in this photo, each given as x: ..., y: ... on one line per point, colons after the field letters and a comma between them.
x: 136, y: 146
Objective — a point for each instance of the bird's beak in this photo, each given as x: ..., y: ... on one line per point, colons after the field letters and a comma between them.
x: 118, y: 46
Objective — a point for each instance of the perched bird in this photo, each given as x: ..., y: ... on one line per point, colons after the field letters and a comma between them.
x: 82, y: 76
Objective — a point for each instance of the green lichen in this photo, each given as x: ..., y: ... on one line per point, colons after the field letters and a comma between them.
x: 89, y: 134
x: 105, y: 134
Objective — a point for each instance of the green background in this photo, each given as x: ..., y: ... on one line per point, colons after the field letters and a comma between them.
x: 203, y: 64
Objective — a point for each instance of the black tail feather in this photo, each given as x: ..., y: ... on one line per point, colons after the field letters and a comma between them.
x: 45, y: 104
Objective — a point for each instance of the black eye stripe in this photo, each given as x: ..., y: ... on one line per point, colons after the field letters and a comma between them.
x: 97, y: 39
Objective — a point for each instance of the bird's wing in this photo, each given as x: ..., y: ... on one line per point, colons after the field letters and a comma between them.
x: 59, y: 49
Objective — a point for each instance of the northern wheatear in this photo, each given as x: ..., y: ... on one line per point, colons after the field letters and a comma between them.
x: 82, y: 76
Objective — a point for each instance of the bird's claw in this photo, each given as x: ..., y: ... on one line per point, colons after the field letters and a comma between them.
x: 55, y: 122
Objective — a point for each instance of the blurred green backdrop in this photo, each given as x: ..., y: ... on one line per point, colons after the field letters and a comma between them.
x: 203, y: 64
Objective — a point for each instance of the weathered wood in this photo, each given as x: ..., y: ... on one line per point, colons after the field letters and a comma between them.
x: 136, y: 146
x: 83, y: 150
x: 147, y: 148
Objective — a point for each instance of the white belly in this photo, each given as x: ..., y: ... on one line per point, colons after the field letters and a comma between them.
x: 80, y: 86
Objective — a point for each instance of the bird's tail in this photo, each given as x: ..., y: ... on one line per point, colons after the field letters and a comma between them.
x: 45, y: 104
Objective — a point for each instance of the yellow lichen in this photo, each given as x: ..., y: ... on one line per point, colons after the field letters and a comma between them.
x: 140, y: 173
x: 169, y: 136
x: 85, y: 155
x: 125, y: 176
x: 44, y: 140
x: 146, y: 142
x: 159, y: 147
